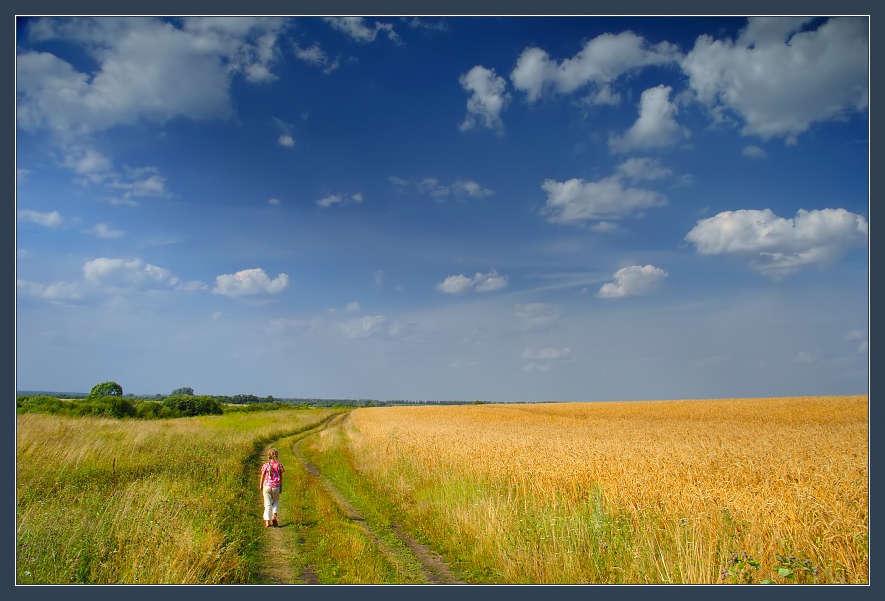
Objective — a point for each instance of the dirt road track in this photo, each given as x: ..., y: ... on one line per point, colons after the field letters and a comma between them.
x: 279, y: 558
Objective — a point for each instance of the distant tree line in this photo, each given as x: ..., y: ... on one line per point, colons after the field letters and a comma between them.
x: 107, y: 400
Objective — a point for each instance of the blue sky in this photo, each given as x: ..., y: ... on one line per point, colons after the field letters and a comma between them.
x: 506, y: 209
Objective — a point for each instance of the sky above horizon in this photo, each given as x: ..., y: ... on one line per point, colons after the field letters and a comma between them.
x: 505, y: 209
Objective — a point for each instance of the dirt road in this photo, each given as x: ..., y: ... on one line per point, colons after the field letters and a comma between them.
x: 279, y: 556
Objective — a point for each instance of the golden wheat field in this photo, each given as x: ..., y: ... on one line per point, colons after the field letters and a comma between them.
x: 700, y: 491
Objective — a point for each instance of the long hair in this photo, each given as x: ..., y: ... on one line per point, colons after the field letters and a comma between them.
x: 273, y: 455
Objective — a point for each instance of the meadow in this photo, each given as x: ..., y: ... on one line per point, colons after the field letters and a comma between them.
x: 104, y: 500
x: 716, y: 491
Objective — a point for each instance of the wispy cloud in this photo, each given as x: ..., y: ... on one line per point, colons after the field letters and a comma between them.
x: 51, y: 219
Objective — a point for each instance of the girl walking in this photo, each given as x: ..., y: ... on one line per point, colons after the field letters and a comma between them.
x: 271, y: 484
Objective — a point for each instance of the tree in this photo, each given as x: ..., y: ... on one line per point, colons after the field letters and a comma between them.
x: 187, y: 390
x: 105, y: 389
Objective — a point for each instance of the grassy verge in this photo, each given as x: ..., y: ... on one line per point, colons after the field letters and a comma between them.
x: 338, y: 549
x: 132, y: 501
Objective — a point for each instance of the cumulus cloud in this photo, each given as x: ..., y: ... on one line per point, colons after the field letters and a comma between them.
x: 576, y: 200
x: 481, y: 282
x: 316, y: 57
x: 102, y: 230
x: 635, y: 280
x: 655, y: 128
x: 51, y: 219
x: 488, y: 98
x: 644, y: 169
x: 358, y: 28
x: 778, y: 79
x: 602, y: 60
x: 753, y: 152
x: 148, y: 69
x: 127, y: 272
x: 286, y: 140
x: 249, y: 282
x: 780, y: 246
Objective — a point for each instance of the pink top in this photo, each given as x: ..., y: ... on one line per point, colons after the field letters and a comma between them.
x: 273, y: 473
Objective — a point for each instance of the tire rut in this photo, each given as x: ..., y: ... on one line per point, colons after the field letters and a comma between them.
x: 278, y: 556
x: 433, y: 567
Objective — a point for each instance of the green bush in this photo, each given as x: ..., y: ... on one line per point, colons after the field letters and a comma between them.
x: 188, y: 406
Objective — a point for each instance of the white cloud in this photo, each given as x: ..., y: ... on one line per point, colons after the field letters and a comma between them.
x: 780, y: 82
x: 416, y: 23
x: 481, y: 282
x: 471, y: 188
x: 433, y: 187
x: 781, y: 246
x: 644, y: 168
x: 635, y: 280
x: 59, y: 291
x: 655, y: 127
x: 753, y: 152
x: 363, y: 327
x: 357, y: 28
x: 602, y: 60
x: 88, y: 162
x: 148, y: 69
x: 51, y: 219
x: 249, y: 282
x: 805, y: 357
x: 273, y: 201
x: 487, y: 99
x: 353, y: 307
x: 455, y: 284
x: 864, y: 345
x: 329, y: 200
x: 286, y: 140
x: 104, y: 231
x: 293, y: 327
x: 537, y: 316
x: 378, y: 277
x: 317, y: 57
x: 575, y: 200
x: 127, y: 272
x: 539, y: 367
x: 398, y: 181
x: 333, y: 199
x: 546, y: 354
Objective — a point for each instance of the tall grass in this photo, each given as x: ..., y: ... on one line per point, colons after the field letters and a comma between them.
x: 669, y: 491
x: 130, y: 501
